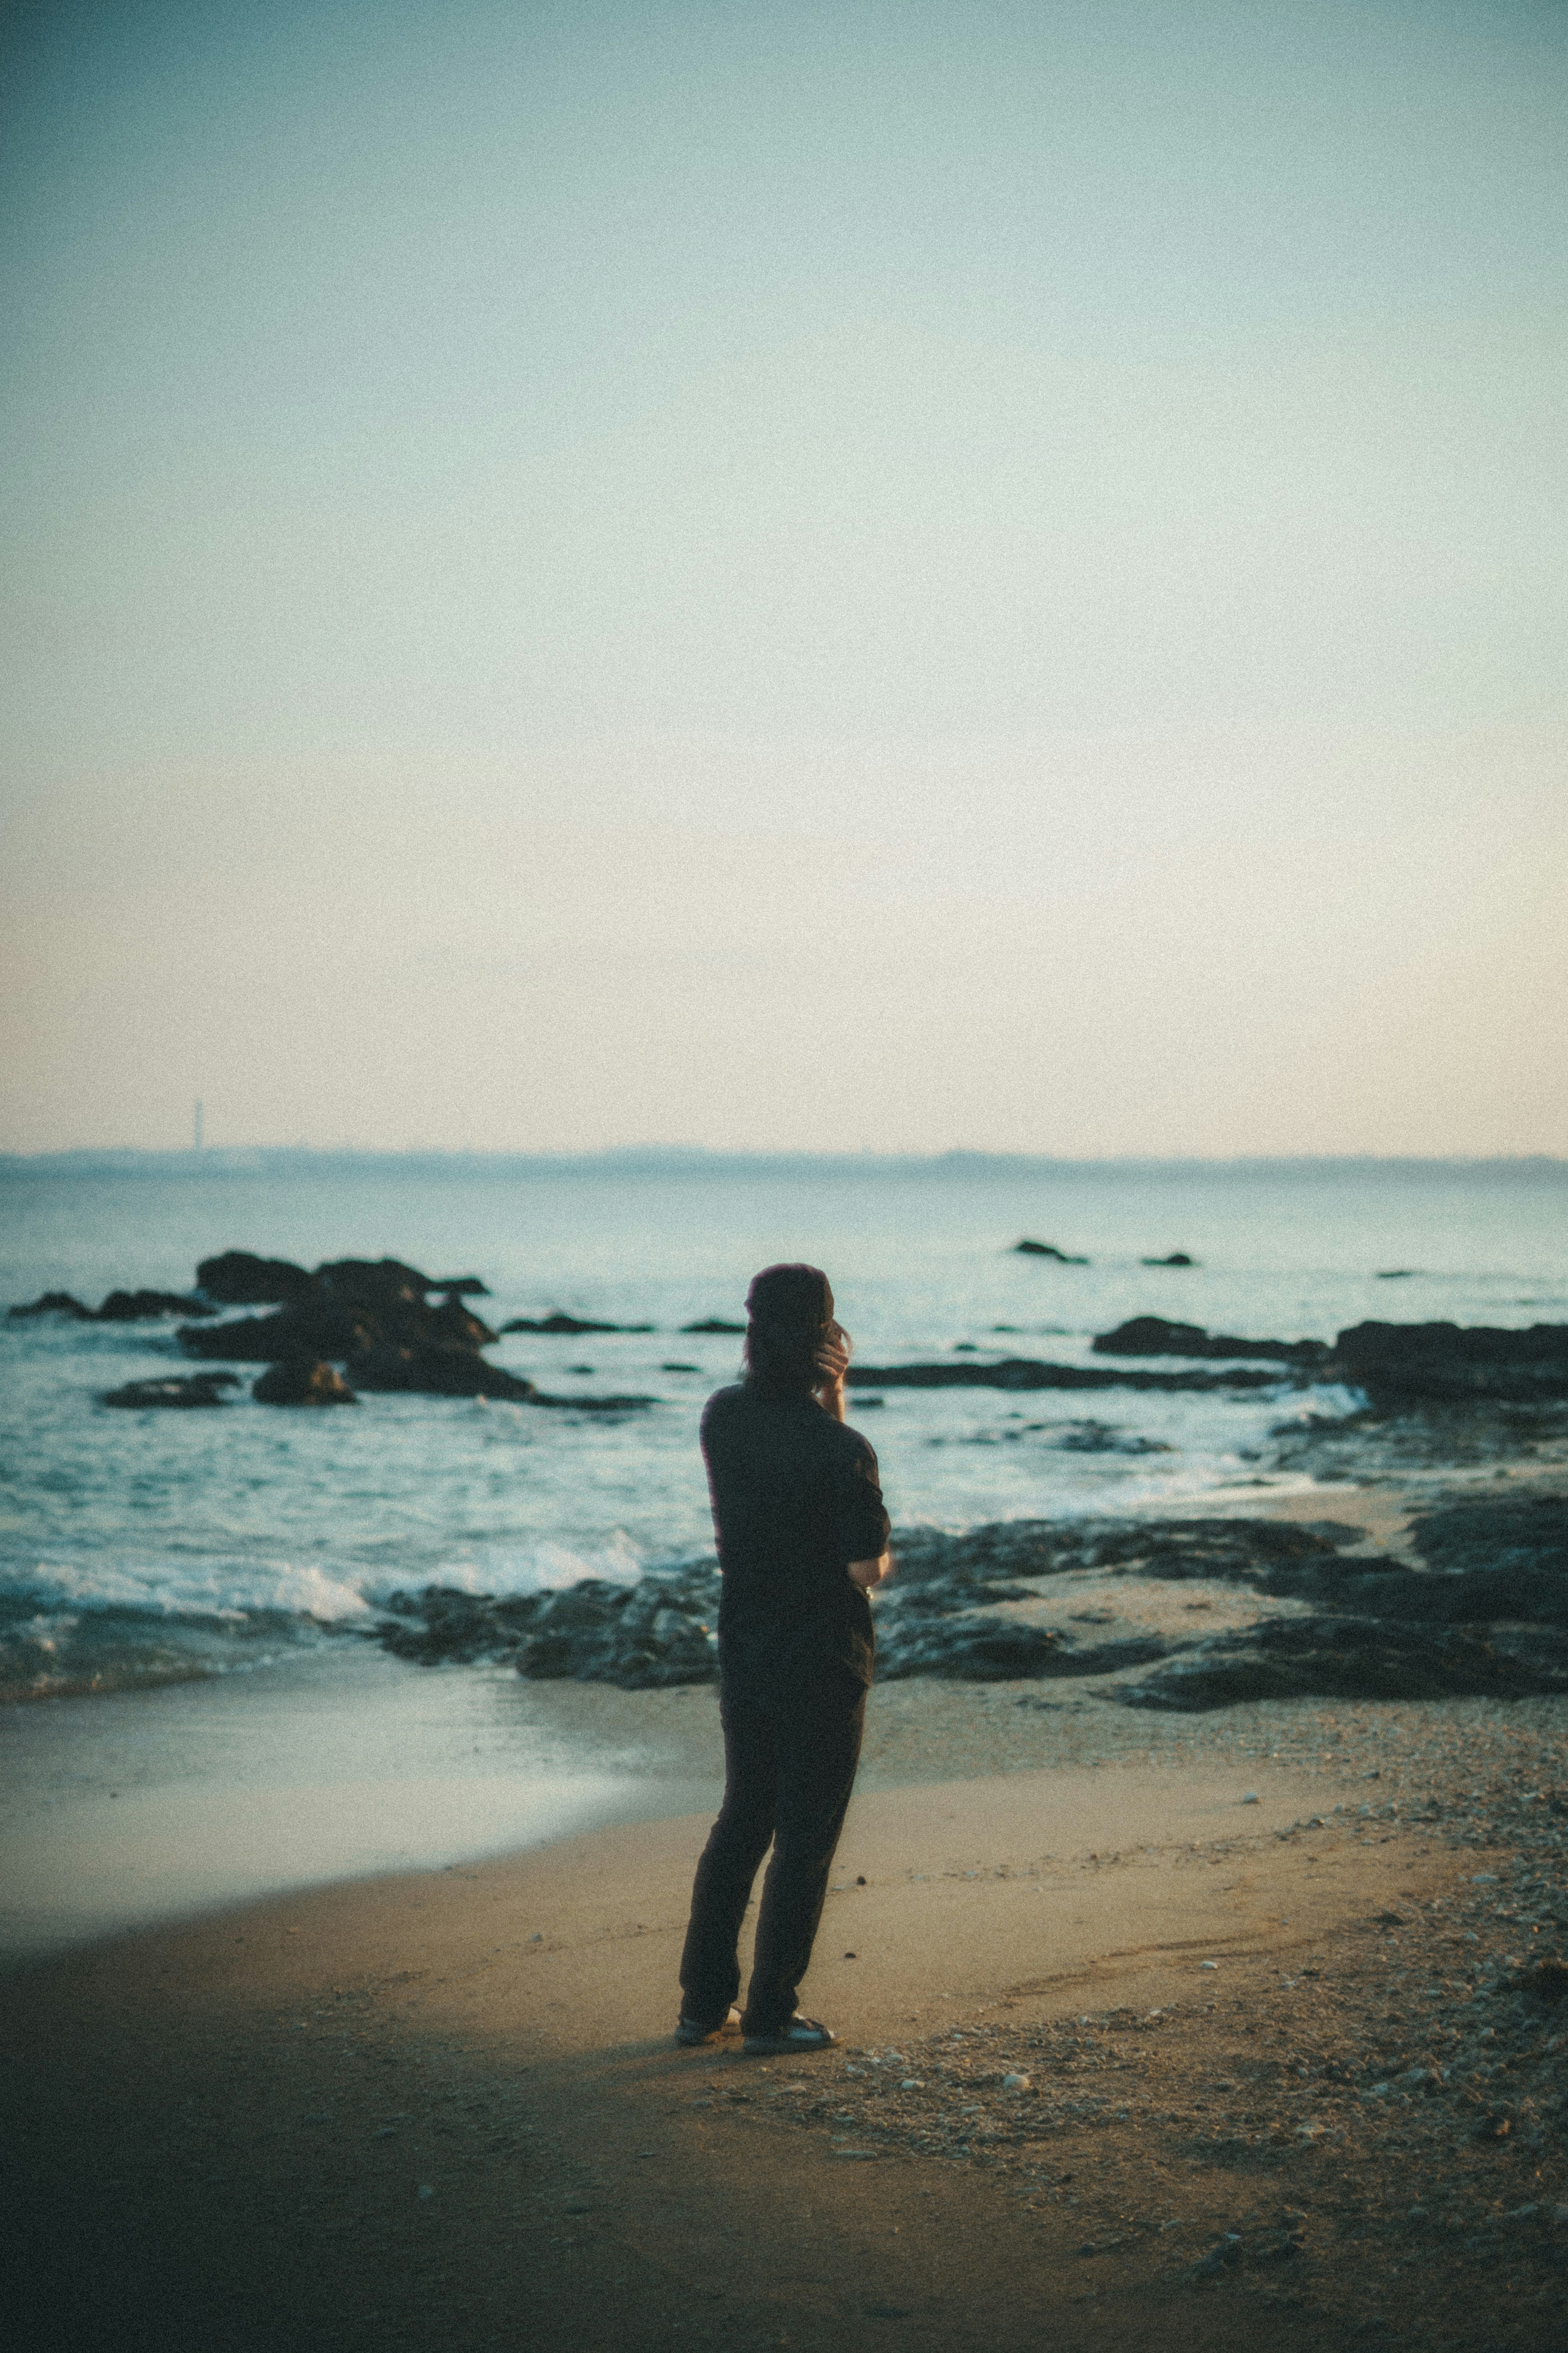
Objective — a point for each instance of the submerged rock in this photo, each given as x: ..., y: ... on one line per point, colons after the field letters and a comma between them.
x: 140, y: 1306
x: 192, y: 1390
x: 1152, y: 1335
x: 713, y: 1323
x: 568, y: 1326
x: 1177, y: 1258
x: 1028, y: 1249
x: 297, y: 1383
x: 1028, y: 1373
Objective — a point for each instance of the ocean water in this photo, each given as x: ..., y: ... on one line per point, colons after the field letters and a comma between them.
x: 137, y: 1548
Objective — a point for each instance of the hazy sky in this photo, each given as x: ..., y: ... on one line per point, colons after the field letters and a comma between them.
x: 778, y: 575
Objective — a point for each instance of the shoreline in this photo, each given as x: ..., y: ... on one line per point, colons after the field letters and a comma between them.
x: 1260, y: 1987
x: 342, y: 1763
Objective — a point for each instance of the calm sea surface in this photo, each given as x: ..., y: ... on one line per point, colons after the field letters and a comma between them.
x: 138, y: 1546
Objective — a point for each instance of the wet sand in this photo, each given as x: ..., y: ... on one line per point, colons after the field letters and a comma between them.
x: 443, y: 2109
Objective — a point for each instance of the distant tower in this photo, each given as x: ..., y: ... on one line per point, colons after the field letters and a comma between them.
x: 196, y: 1143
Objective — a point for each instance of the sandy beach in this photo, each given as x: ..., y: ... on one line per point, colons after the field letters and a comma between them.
x: 1182, y: 2029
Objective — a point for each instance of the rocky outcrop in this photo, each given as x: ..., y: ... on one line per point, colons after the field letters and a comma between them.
x: 119, y: 1307
x: 236, y: 1279
x: 1399, y: 1363
x: 141, y: 1306
x: 374, y: 1318
x: 1355, y: 1658
x: 644, y: 1636
x: 1028, y: 1373
x: 567, y: 1326
x: 1027, y: 1249
x: 1177, y: 1258
x: 433, y: 1371
x: 1152, y: 1335
x: 713, y: 1323
x: 1494, y: 1623
x: 298, y: 1383
x: 194, y: 1389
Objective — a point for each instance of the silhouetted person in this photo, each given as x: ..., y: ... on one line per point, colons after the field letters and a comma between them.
x: 802, y: 1536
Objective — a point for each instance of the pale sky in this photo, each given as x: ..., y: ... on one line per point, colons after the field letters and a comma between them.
x: 793, y: 576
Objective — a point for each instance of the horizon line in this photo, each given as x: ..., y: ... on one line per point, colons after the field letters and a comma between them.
x: 221, y: 1158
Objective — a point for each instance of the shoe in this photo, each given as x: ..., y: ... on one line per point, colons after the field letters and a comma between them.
x: 691, y: 2030
x: 801, y: 2034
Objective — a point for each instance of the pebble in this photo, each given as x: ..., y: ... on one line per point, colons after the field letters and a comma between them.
x: 1015, y: 2082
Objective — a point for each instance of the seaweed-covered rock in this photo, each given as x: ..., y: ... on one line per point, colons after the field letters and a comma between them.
x: 1399, y: 1363
x: 1152, y: 1335
x: 178, y: 1392
x: 297, y: 1383
x: 238, y: 1278
x: 54, y: 1302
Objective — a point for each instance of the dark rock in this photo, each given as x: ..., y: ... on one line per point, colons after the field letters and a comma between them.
x: 1026, y: 1373
x: 379, y: 1282
x: 998, y: 1650
x: 140, y: 1306
x: 1399, y: 1363
x: 1396, y: 1273
x: 236, y: 1279
x: 1152, y: 1335
x: 673, y: 1367
x: 298, y: 1383
x: 713, y: 1323
x: 1527, y: 1532
x: 1100, y: 1438
x: 54, y: 1302
x: 465, y: 1286
x: 194, y: 1389
x: 1027, y: 1249
x: 650, y: 1636
x: 435, y: 1371
x: 316, y: 1331
x: 1177, y: 1258
x: 568, y: 1325
x: 1353, y: 1658
x: 1545, y: 1981
x: 1239, y: 1551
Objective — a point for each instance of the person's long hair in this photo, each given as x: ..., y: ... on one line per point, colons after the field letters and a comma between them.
x: 789, y: 1312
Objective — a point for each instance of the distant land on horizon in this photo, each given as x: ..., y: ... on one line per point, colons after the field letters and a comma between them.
x: 654, y: 1159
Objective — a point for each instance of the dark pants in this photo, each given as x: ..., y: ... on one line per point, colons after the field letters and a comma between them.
x: 789, y: 1766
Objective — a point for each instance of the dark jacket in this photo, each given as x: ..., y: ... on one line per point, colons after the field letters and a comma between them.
x: 795, y: 1499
